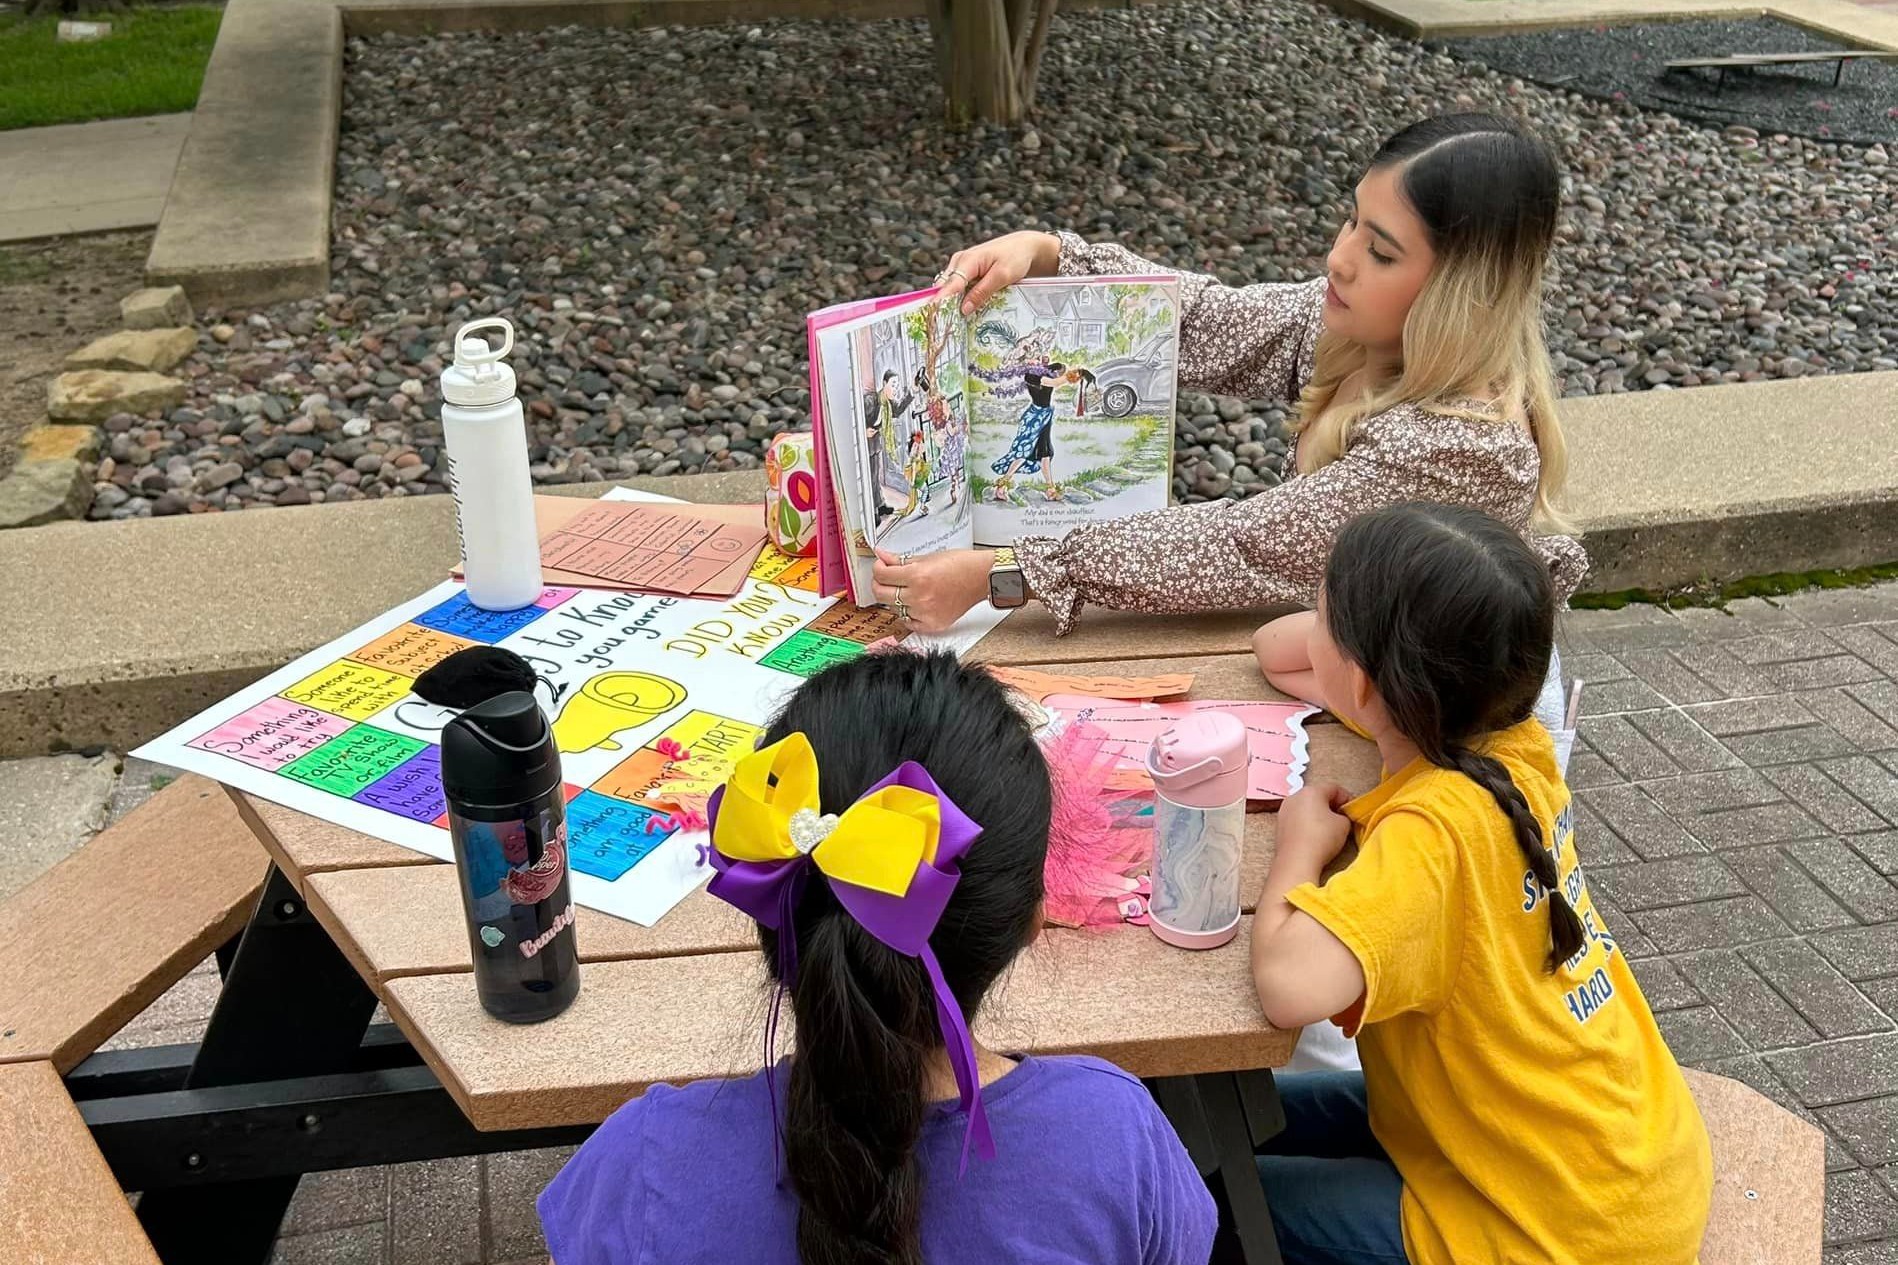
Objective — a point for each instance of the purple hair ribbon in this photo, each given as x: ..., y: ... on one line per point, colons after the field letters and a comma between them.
x: 890, y: 858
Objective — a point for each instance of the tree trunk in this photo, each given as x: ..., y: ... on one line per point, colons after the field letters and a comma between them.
x: 943, y: 39
x: 982, y: 80
x: 1028, y: 60
x: 935, y: 334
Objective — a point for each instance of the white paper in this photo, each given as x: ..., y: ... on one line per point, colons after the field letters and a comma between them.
x: 361, y: 750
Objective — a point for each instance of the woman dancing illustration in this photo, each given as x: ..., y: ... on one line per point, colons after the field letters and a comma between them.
x: 1033, y: 449
x: 1026, y: 368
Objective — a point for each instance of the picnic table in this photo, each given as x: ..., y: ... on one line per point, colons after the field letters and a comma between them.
x: 292, y: 1077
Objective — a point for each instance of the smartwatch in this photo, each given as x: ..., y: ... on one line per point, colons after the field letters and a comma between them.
x: 1008, y: 588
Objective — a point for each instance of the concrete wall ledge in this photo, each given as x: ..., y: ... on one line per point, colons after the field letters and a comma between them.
x: 1449, y: 19
x: 116, y: 631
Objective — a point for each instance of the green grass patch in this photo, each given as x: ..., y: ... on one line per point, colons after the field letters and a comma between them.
x: 22, y: 266
x: 152, y: 63
x: 1778, y: 584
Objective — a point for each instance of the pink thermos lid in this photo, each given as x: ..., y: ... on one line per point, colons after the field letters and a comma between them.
x: 1201, y: 761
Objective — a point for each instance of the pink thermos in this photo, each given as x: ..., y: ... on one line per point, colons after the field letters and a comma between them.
x: 1199, y: 824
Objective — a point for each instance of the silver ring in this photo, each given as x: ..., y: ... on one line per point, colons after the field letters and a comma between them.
x: 902, y: 559
x: 902, y: 609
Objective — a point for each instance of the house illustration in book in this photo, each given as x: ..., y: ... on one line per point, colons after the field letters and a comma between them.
x: 1078, y: 315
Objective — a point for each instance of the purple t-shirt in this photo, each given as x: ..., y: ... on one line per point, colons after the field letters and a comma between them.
x: 1087, y: 1170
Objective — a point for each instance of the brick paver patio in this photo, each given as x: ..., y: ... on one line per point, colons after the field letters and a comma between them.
x: 1737, y: 789
x: 1737, y: 781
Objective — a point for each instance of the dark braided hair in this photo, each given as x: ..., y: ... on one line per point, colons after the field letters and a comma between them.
x: 1452, y: 616
x: 866, y: 1015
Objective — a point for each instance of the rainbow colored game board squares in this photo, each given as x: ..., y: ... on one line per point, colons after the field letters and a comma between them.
x: 322, y: 730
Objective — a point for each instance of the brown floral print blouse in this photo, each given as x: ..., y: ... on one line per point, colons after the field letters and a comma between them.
x: 1259, y: 341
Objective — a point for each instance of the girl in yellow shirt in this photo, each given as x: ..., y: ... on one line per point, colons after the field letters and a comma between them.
x: 1517, y: 1102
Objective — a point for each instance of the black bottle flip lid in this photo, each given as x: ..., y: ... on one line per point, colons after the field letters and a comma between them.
x: 500, y: 752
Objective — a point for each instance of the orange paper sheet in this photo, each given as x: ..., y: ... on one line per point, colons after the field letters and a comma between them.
x: 554, y: 513
x: 663, y: 548
x: 1039, y: 685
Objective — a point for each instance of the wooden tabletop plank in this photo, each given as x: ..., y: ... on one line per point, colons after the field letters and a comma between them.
x: 1106, y: 636
x: 101, y: 935
x: 1226, y: 676
x: 303, y: 845
x: 431, y: 936
x: 1125, y: 996
x: 1121, y: 994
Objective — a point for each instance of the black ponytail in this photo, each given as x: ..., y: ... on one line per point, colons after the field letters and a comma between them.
x: 1565, y: 926
x: 866, y: 1017
x: 854, y: 1103
x: 1452, y: 615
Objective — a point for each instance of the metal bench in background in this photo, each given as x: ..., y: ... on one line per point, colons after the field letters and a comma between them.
x: 1753, y: 61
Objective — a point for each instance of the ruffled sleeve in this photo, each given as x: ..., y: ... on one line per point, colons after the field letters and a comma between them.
x: 1255, y: 341
x: 1272, y: 547
x: 1568, y: 563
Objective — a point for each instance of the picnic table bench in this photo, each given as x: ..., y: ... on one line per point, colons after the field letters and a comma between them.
x: 292, y: 1077
x: 1752, y: 61
x: 88, y: 945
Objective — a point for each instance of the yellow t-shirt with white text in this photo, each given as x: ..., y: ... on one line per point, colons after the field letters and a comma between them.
x: 1533, y: 1117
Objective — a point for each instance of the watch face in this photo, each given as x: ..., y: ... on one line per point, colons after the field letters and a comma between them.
x: 1007, y: 589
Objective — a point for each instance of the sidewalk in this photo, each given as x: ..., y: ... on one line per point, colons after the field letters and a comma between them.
x: 1736, y: 785
x: 87, y: 177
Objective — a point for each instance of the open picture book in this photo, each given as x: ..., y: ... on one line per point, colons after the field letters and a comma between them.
x: 1050, y: 408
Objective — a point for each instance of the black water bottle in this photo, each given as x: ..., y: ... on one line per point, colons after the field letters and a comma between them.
x: 506, y: 810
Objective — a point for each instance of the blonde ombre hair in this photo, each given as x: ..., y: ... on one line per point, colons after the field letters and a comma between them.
x: 1488, y: 194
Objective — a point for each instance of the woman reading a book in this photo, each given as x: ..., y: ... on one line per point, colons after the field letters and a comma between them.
x: 1417, y: 362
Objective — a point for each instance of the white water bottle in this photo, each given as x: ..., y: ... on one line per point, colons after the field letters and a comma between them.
x: 486, y: 436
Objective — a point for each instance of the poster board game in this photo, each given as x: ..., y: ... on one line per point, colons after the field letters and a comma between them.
x: 338, y: 734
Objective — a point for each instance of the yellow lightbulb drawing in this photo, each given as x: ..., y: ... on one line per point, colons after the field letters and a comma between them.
x: 609, y: 703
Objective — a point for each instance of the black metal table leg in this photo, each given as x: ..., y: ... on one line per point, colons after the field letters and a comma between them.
x: 1216, y: 1116
x: 1227, y: 1118
x: 291, y: 1006
x: 225, y: 954
x: 1259, y: 1095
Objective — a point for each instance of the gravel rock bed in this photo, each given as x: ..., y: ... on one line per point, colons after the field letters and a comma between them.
x: 1628, y: 63
x: 657, y: 210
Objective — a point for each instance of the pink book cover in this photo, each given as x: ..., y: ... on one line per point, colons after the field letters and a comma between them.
x: 832, y: 571
x: 1153, y: 379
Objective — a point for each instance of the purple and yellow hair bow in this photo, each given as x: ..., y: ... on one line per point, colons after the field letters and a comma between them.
x: 890, y: 859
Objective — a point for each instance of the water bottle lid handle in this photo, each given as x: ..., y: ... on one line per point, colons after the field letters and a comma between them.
x: 473, y: 351
x: 480, y: 376
x: 1205, y: 755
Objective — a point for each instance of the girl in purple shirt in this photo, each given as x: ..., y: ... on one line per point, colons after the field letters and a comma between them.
x: 889, y: 1137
